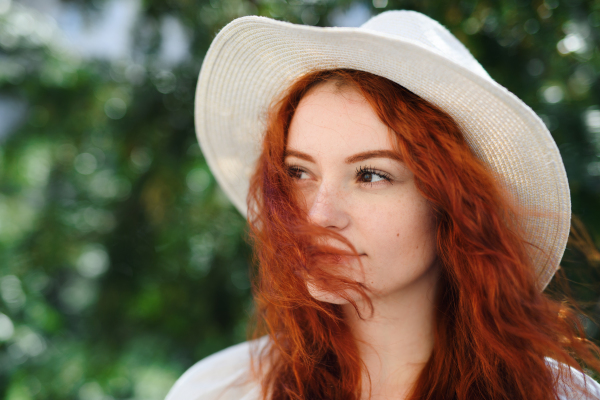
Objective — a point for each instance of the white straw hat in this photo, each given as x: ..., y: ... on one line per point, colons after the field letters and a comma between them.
x: 253, y: 59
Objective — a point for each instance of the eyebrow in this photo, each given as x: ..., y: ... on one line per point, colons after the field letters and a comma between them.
x: 349, y: 160
x: 373, y: 154
x: 298, y: 154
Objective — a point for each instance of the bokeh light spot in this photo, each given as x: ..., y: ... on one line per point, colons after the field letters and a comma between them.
x: 165, y: 82
x: 115, y: 108
x: 85, y: 163
x: 531, y: 26
x: 593, y: 168
x: 553, y: 94
x: 201, y: 248
x: 572, y: 43
x: 141, y: 157
x: 7, y: 327
x: 93, y: 261
x: 91, y: 391
x: 31, y: 343
x: 11, y: 290
x: 471, y: 26
x: 592, y: 119
x: 310, y: 17
x: 77, y: 295
x: 197, y: 180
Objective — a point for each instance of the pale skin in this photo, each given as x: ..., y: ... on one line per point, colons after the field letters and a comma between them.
x: 343, y: 161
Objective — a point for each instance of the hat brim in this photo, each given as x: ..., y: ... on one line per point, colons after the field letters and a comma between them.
x: 254, y: 59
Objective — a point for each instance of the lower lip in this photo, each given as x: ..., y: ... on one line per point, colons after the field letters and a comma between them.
x: 343, y: 259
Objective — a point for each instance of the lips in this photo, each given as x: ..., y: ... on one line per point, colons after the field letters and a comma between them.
x: 339, y: 258
x: 344, y: 249
x: 332, y: 255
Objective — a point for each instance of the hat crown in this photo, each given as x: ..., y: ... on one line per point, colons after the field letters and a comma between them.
x: 427, y: 33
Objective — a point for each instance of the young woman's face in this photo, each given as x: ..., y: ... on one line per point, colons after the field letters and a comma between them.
x: 342, y: 159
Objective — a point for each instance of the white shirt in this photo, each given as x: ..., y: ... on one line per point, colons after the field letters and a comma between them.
x: 224, y: 376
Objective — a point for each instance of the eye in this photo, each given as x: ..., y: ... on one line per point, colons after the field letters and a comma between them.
x: 297, y: 172
x: 370, y: 175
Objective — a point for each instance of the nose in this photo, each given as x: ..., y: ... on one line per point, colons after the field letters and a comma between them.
x: 327, y: 209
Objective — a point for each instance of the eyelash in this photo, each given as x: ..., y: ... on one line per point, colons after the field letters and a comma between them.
x: 294, y: 170
x: 361, y: 171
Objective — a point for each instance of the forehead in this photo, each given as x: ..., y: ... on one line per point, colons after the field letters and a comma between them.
x: 332, y: 120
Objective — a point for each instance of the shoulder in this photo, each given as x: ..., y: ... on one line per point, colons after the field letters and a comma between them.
x: 572, y: 384
x: 222, y: 376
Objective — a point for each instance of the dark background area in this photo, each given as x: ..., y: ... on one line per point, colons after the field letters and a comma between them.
x: 121, y: 261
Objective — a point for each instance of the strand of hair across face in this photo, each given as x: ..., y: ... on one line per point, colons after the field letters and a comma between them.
x: 493, y: 327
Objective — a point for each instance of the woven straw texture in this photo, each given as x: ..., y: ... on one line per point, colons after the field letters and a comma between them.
x: 254, y: 59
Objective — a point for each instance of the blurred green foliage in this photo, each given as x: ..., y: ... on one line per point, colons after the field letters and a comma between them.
x: 122, y: 262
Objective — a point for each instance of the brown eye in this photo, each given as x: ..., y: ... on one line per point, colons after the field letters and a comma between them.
x: 369, y: 175
x: 297, y: 172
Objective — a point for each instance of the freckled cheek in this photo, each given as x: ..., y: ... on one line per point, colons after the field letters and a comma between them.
x: 392, y: 233
x: 382, y: 231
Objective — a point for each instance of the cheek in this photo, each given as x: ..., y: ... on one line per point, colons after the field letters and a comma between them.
x: 400, y: 242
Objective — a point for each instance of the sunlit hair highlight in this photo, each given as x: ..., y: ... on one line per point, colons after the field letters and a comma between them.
x: 493, y: 327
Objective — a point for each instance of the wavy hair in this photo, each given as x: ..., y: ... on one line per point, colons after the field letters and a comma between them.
x: 493, y: 328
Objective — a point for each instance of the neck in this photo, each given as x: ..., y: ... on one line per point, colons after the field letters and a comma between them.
x: 396, y: 340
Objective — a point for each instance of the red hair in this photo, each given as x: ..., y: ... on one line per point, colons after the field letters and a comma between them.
x: 493, y: 327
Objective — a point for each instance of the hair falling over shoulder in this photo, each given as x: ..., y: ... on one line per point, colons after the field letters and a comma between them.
x: 493, y: 327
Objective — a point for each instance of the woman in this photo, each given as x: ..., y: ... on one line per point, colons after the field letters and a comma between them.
x: 406, y: 213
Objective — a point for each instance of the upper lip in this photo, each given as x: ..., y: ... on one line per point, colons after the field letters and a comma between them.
x: 343, y: 249
x: 347, y: 251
